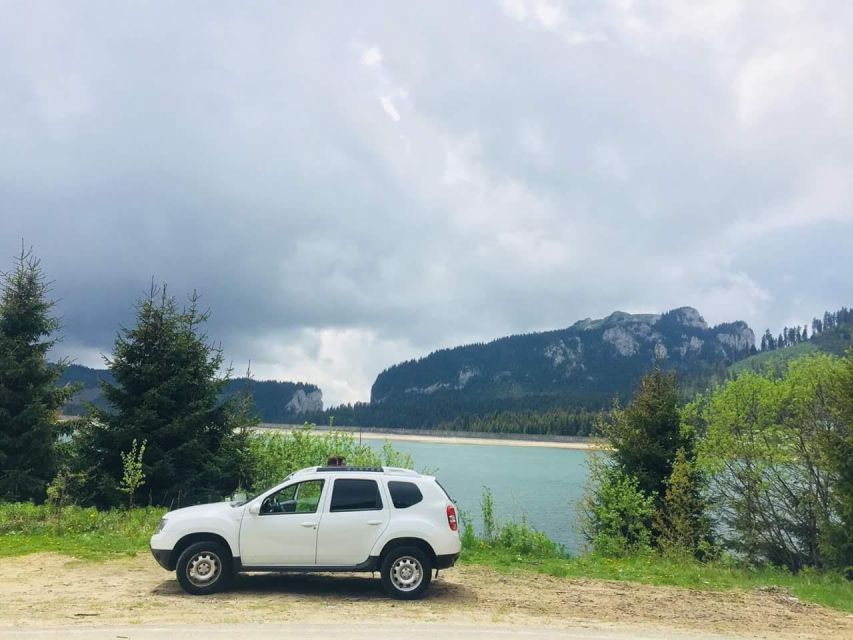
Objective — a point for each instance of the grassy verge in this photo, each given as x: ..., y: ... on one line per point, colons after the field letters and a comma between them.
x: 825, y: 588
x: 78, y: 532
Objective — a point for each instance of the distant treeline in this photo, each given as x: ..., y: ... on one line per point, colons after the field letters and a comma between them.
x: 535, y: 414
x: 833, y: 324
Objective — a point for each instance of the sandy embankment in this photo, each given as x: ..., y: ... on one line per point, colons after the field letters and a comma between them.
x: 445, y: 439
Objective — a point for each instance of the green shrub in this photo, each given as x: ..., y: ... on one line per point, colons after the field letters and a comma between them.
x: 617, y: 515
x: 278, y: 454
x: 521, y: 538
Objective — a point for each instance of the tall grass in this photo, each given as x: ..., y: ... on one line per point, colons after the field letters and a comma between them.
x: 76, y: 531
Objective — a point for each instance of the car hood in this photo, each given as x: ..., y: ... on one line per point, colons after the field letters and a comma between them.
x: 201, y: 510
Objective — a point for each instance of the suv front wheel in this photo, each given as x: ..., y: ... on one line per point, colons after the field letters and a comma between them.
x: 406, y: 573
x: 204, y: 567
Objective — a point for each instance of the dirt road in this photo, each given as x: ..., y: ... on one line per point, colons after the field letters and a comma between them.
x: 48, y: 590
x: 357, y: 631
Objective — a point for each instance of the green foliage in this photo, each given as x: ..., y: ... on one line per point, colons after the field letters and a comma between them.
x: 83, y: 532
x: 768, y: 451
x: 277, y: 454
x: 681, y: 520
x: 132, y: 471
x: 518, y: 538
x: 487, y: 510
x: 838, y: 538
x: 645, y: 435
x: 29, y: 396
x: 166, y: 390
x: 616, y: 514
x: 522, y: 539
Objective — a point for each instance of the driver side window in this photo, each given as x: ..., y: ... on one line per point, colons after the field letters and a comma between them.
x: 303, y: 497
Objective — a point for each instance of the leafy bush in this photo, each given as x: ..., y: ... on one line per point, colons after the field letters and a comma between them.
x: 617, y: 515
x: 277, y: 454
x: 769, y: 452
x: 521, y: 538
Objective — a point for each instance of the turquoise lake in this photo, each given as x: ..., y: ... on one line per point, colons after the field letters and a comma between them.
x: 544, y: 484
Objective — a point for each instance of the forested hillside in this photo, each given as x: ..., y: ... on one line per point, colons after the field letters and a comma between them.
x: 274, y: 401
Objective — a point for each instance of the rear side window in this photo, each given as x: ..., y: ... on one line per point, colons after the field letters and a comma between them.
x: 404, y: 494
x: 356, y: 495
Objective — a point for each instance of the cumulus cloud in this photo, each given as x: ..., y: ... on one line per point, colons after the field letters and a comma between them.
x: 348, y: 189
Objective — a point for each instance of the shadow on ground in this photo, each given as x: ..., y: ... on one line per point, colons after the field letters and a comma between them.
x: 347, y: 587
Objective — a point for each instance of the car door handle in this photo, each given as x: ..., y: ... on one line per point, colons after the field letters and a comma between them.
x: 308, y: 524
x: 374, y: 522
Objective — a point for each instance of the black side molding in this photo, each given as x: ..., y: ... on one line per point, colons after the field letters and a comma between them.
x: 371, y: 564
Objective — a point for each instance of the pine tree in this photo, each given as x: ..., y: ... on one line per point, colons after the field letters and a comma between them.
x: 645, y: 435
x: 29, y: 398
x: 681, y: 520
x: 167, y: 393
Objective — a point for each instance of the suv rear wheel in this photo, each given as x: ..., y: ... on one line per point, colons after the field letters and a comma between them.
x: 204, y: 567
x: 406, y: 573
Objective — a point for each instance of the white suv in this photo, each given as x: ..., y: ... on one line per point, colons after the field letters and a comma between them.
x: 396, y: 521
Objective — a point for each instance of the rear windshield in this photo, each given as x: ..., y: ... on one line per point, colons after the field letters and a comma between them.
x: 404, y: 494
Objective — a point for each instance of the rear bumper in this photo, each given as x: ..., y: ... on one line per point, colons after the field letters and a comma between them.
x: 162, y: 556
x: 445, y: 562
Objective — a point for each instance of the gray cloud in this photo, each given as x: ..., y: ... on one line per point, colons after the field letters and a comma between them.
x: 350, y: 187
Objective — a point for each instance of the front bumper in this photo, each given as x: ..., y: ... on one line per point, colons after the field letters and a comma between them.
x: 163, y: 557
x: 447, y: 561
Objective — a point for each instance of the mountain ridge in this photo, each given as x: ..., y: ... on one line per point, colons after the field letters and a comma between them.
x: 580, y: 357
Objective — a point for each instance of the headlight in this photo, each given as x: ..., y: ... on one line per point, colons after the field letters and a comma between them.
x: 160, y: 525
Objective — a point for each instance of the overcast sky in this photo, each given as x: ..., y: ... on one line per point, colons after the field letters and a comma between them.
x: 354, y: 184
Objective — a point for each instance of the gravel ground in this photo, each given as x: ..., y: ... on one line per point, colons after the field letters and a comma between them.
x: 49, y: 590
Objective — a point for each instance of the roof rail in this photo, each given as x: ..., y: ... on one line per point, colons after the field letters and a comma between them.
x: 345, y: 468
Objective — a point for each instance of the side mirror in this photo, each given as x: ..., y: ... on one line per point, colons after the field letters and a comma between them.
x: 255, y: 507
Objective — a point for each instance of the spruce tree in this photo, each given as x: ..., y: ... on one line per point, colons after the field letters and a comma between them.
x: 29, y: 398
x: 167, y: 392
x: 646, y: 434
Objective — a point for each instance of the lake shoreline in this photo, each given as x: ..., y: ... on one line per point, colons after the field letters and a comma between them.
x: 509, y: 440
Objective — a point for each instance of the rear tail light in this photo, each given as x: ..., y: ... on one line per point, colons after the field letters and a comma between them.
x: 451, y: 517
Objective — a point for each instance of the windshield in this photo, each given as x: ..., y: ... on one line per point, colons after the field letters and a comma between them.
x: 240, y: 503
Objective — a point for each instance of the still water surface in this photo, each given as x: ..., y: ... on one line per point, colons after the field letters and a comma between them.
x: 541, y: 483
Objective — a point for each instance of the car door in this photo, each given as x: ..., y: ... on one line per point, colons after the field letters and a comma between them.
x: 355, y: 516
x: 284, y: 531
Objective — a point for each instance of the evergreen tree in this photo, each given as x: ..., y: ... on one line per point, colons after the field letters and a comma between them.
x: 645, y: 435
x: 29, y: 397
x: 167, y: 393
x: 681, y: 521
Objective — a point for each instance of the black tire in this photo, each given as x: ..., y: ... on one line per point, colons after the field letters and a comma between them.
x: 205, y: 567
x: 406, y: 573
